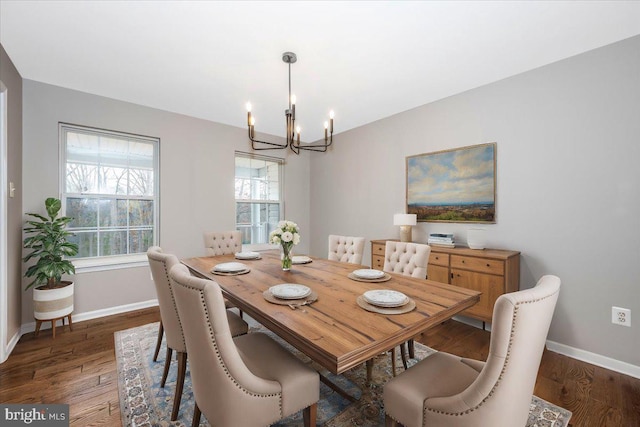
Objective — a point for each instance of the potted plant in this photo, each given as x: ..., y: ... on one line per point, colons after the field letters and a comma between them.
x: 47, y: 238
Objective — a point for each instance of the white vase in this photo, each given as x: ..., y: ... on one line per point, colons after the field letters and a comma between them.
x: 54, y: 303
x: 476, y: 238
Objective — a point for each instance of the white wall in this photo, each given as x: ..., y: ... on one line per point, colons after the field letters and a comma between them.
x: 196, y: 180
x: 568, y: 183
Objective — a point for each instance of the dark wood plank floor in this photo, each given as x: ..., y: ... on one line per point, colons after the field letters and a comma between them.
x: 79, y: 368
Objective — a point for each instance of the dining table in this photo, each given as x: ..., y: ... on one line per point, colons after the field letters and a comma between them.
x: 334, y: 330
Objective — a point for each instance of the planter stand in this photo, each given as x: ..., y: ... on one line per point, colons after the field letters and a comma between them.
x: 53, y: 324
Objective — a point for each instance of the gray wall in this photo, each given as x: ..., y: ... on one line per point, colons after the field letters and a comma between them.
x: 568, y: 183
x: 196, y: 180
x: 13, y: 82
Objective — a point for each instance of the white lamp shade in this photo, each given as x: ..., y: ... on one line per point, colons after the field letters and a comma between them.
x: 405, y: 219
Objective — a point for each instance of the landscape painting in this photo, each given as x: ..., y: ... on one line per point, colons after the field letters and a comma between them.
x: 456, y: 185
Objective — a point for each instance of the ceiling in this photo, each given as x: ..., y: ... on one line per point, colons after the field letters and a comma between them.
x: 365, y: 60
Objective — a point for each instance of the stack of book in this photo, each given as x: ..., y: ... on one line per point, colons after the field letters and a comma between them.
x: 444, y: 240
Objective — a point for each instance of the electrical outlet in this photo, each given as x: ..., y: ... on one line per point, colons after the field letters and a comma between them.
x: 621, y: 316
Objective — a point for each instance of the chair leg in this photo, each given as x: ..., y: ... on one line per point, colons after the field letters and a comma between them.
x: 167, y: 363
x: 182, y: 369
x: 70, y: 323
x: 196, y: 416
x: 389, y: 422
x: 369, y: 364
x: 53, y: 326
x: 159, y: 343
x: 309, y: 415
x: 412, y: 349
x: 393, y: 361
x: 403, y: 355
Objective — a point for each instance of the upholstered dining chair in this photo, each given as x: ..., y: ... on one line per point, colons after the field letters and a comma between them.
x: 245, y: 381
x: 346, y: 249
x: 222, y: 243
x: 160, y: 264
x: 446, y: 390
x: 409, y: 259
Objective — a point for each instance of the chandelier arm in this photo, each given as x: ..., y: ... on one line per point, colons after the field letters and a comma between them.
x: 322, y: 148
x: 272, y: 145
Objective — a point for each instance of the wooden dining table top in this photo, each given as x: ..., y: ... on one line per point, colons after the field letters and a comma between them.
x: 334, y: 330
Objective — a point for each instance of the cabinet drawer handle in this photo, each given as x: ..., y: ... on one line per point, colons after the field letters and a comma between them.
x: 463, y: 261
x: 488, y: 265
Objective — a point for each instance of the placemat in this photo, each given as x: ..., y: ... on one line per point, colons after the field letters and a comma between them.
x: 384, y: 278
x: 384, y: 310
x: 231, y: 273
x: 308, y: 300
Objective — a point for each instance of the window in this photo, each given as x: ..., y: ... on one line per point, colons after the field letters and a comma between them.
x: 258, y: 189
x: 110, y: 188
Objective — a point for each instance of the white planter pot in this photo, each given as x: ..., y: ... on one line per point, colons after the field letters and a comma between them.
x: 55, y: 303
x: 476, y: 238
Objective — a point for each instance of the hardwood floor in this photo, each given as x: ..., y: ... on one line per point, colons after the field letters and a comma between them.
x: 79, y: 368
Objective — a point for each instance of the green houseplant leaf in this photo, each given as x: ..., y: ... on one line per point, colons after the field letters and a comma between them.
x: 47, y: 240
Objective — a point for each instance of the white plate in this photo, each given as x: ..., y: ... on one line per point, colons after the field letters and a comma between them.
x: 230, y: 267
x: 368, y: 273
x: 385, y: 298
x: 247, y: 255
x: 290, y: 291
x: 300, y: 259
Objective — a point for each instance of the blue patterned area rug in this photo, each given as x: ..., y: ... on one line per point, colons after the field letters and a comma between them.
x: 143, y: 403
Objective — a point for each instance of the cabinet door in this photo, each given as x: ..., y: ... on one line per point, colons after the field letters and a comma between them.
x: 438, y: 273
x: 490, y: 285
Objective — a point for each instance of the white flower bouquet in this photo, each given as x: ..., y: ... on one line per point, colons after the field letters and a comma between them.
x: 285, y: 235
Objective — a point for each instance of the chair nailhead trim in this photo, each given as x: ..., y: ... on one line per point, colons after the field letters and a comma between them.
x: 173, y: 301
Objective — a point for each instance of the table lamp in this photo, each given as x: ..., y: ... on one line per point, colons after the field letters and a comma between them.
x: 405, y: 221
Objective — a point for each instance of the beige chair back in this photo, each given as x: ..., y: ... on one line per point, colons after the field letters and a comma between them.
x: 160, y: 264
x: 346, y: 249
x: 217, y: 369
x: 222, y: 243
x: 410, y: 259
x: 501, y: 394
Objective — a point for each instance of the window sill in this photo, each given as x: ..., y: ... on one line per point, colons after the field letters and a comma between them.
x: 259, y: 247
x: 89, y: 265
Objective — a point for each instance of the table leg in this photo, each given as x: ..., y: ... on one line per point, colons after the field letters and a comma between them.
x: 337, y: 389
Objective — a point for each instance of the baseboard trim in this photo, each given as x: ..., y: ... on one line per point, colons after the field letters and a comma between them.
x: 595, y: 359
x: 80, y: 317
x: 11, y: 345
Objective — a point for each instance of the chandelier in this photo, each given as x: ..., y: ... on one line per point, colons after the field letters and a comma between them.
x: 293, y: 132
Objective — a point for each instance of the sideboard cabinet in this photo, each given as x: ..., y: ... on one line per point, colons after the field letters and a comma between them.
x: 491, y: 271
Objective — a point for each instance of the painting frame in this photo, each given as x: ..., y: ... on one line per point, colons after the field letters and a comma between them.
x: 454, y: 185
